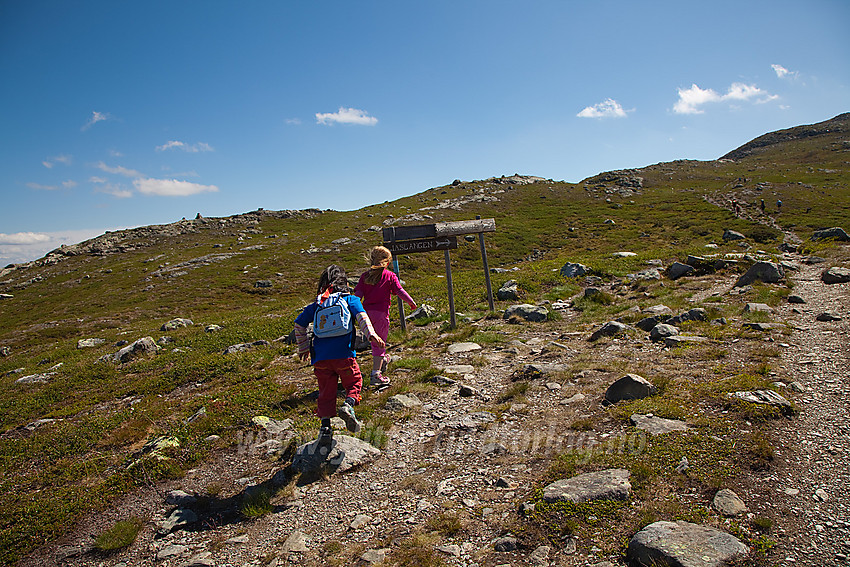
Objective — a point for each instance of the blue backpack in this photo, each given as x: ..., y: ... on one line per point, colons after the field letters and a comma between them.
x: 332, y: 318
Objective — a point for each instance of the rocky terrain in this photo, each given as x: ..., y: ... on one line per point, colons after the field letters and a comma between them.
x: 459, y: 473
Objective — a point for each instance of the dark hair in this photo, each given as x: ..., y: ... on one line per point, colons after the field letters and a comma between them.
x: 332, y: 277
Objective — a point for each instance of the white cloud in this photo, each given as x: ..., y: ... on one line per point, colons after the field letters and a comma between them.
x: 118, y: 170
x: 40, y: 187
x: 51, y: 161
x: 23, y: 238
x: 69, y: 184
x: 783, y: 73
x: 97, y: 179
x: 293, y: 121
x: 171, y: 187
x: 347, y: 116
x: 609, y: 108
x: 116, y: 190
x: 95, y: 118
x: 192, y: 149
x: 692, y: 99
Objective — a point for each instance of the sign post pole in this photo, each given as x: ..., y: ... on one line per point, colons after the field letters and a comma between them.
x: 400, y: 304
x: 451, y: 289
x: 486, y: 269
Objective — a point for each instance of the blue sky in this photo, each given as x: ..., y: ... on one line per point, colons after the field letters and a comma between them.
x: 122, y: 114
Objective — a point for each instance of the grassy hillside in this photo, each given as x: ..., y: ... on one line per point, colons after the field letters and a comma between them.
x: 125, y: 285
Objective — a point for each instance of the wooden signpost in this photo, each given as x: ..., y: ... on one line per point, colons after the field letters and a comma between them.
x: 439, y: 236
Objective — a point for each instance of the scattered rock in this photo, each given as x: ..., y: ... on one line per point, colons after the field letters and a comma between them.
x: 528, y: 312
x: 134, y: 350
x: 296, y: 542
x: 243, y: 347
x: 728, y: 503
x: 505, y: 544
x: 683, y: 340
x: 459, y: 348
x: 176, y: 324
x: 828, y: 316
x: 344, y: 453
x: 609, y: 329
x: 657, y: 425
x: 731, y: 235
x: 212, y: 328
x: 610, y: 484
x: 272, y: 426
x: 89, y: 343
x: 629, y: 387
x: 768, y: 397
x: 796, y: 299
x: 757, y: 308
x: 834, y: 233
x: 373, y: 556
x: 762, y: 327
x: 178, y: 518
x: 403, y: 401
x: 574, y: 270
x: 662, y: 331
x: 678, y: 270
x: 685, y: 545
x: 767, y: 272
x: 835, y: 276
x: 509, y: 291
x: 695, y: 314
x: 422, y: 312
x: 180, y: 498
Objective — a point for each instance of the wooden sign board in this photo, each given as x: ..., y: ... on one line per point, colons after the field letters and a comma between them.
x: 453, y: 228
x: 422, y: 245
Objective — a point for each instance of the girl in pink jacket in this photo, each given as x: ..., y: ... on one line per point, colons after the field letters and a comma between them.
x: 376, y: 288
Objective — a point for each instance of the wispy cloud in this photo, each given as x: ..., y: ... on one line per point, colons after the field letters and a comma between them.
x: 346, y: 116
x: 69, y: 184
x: 23, y: 238
x: 190, y: 148
x: 609, y: 108
x: 104, y: 186
x: 171, y: 187
x: 118, y: 170
x: 783, y: 73
x: 51, y: 161
x: 95, y: 118
x: 691, y: 100
x: 293, y: 121
x: 40, y: 187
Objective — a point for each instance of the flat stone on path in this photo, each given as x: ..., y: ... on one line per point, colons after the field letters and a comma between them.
x: 828, y: 316
x: 345, y: 452
x: 403, y: 401
x: 657, y: 425
x: 683, y: 340
x: 460, y: 348
x: 682, y: 544
x: 610, y: 484
x: 459, y: 369
x: 757, y: 308
x: 296, y: 542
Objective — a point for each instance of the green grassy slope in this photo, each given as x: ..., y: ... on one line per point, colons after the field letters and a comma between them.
x: 105, y: 412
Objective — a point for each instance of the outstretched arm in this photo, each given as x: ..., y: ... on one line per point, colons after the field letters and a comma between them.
x: 302, y: 341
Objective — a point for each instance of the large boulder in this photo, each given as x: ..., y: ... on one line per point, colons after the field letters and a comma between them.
x: 629, y: 387
x: 695, y: 314
x: 682, y: 544
x: 835, y: 275
x: 422, y: 312
x: 834, y: 233
x: 768, y: 272
x: 344, y: 453
x: 611, y: 484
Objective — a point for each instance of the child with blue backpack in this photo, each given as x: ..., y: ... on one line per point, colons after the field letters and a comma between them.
x: 332, y: 353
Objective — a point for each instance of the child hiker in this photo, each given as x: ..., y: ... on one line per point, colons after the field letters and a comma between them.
x: 376, y: 287
x: 332, y: 352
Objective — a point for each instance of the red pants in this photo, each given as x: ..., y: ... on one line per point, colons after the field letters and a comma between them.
x: 327, y: 372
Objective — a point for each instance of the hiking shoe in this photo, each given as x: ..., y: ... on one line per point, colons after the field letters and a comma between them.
x: 346, y: 412
x: 326, y: 434
x: 378, y: 380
